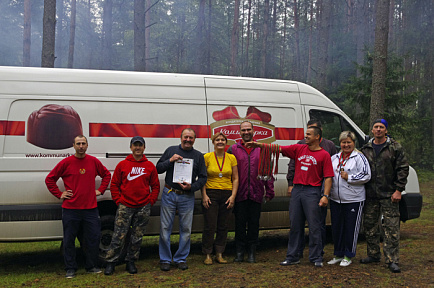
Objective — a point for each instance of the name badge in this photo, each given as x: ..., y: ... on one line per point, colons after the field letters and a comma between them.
x: 304, y: 168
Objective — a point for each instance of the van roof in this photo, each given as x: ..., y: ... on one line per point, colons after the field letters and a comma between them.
x: 37, y: 75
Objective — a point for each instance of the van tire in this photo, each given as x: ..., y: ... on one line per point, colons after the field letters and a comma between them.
x: 107, y: 229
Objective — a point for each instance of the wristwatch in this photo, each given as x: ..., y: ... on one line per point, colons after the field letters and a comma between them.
x: 324, y: 195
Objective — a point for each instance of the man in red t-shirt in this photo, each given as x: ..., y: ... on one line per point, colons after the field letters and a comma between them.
x: 312, y: 167
x: 79, y: 207
x: 135, y: 188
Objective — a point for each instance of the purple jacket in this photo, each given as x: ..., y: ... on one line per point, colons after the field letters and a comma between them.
x: 250, y: 187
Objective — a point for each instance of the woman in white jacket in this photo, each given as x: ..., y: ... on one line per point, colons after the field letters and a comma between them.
x: 347, y: 197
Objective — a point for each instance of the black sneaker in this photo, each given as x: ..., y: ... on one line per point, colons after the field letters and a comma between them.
x: 287, y: 262
x: 164, y: 266
x: 182, y: 266
x: 70, y: 274
x: 94, y: 270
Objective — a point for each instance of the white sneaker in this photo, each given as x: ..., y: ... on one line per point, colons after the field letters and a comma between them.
x: 335, y: 260
x: 345, y: 263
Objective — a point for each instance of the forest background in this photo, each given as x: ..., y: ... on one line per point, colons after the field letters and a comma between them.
x: 328, y: 44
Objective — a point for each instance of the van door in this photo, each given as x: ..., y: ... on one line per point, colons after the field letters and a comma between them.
x: 273, y: 107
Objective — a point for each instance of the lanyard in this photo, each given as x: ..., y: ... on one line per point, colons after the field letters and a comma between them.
x: 223, y: 162
x: 343, y: 161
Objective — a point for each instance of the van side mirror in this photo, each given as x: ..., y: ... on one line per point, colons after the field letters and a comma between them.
x: 366, y: 140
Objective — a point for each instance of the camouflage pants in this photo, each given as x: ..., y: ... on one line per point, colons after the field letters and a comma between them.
x: 126, y: 217
x: 374, y: 209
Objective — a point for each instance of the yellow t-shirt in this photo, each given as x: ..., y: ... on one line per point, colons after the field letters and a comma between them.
x: 212, y: 169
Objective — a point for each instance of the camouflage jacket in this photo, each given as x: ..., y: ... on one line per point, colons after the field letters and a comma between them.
x: 389, y: 170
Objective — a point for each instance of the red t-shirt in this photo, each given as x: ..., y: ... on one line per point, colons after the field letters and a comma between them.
x: 311, y: 167
x: 78, y: 175
x: 135, y: 183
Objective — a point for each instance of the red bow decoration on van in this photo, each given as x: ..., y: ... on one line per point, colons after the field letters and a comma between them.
x: 231, y: 112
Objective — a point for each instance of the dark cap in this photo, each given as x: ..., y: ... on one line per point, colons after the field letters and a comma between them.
x: 382, y: 121
x: 137, y: 139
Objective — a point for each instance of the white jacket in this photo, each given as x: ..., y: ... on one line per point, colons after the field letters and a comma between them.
x: 359, y: 172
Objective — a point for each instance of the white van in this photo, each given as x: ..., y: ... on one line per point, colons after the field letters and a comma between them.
x: 41, y: 110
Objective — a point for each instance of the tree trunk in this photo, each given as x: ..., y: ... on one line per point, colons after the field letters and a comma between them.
x: 262, y: 71
x: 391, y: 36
x: 27, y: 32
x: 249, y: 19
x: 139, y: 35
x: 234, y: 38
x: 61, y: 24
x: 147, y: 34
x: 48, y: 34
x: 309, y: 61
x: 297, y: 41
x: 208, y: 37
x: 359, y: 33
x: 107, y: 27
x: 72, y: 33
x: 326, y: 9
x: 283, y: 45
x: 380, y: 60
x: 200, y: 41
x: 90, y: 37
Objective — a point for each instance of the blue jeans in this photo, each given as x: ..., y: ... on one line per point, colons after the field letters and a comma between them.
x: 88, y: 220
x: 304, y: 206
x: 170, y: 202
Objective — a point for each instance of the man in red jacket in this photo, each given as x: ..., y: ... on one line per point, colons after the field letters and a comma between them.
x: 135, y: 187
x: 79, y: 207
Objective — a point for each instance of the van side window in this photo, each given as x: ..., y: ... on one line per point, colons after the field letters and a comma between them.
x: 333, y: 124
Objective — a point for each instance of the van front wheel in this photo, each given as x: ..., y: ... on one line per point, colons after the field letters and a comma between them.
x: 107, y: 229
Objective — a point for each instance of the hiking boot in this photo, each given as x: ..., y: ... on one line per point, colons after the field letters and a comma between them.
x: 131, y: 267
x: 109, y: 269
x: 394, y: 268
x: 164, y: 266
x: 182, y: 266
x: 208, y: 260
x: 219, y: 258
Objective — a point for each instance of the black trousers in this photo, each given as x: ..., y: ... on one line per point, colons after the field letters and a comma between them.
x: 247, y: 214
x: 89, y: 221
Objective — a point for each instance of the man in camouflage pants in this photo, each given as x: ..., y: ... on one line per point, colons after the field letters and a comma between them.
x: 134, y: 188
x: 389, y: 169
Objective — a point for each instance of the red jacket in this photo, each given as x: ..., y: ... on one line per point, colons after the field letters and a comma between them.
x: 131, y: 182
x: 78, y: 175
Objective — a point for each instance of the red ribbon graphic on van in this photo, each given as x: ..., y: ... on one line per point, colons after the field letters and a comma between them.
x: 228, y: 123
x: 231, y: 112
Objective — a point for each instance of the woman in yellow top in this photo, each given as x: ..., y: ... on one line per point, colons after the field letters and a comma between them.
x: 218, y: 198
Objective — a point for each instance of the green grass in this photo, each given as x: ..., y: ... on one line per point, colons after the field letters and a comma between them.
x: 40, y: 264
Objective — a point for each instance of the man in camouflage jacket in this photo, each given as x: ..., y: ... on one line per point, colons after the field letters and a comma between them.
x: 389, y: 168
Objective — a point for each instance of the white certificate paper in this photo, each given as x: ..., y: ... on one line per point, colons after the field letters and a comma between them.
x: 183, y: 171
